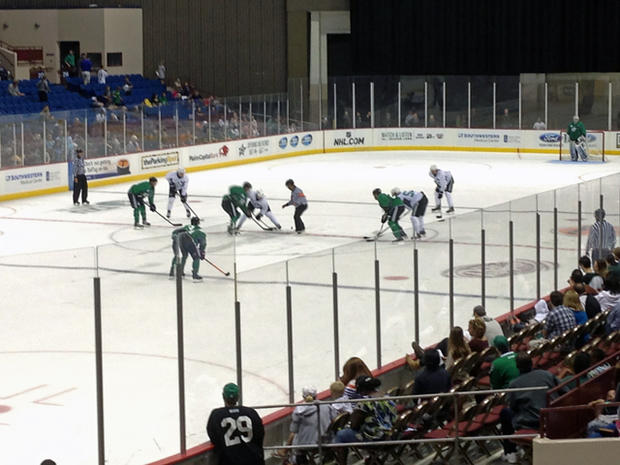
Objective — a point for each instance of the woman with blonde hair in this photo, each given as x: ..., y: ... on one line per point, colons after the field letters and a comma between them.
x: 352, y: 369
x: 457, y: 346
x: 477, y: 328
x: 571, y: 300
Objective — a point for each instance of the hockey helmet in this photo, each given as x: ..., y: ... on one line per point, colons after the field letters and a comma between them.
x: 247, y: 185
x: 181, y: 172
x: 195, y: 220
x: 395, y: 191
x: 259, y: 194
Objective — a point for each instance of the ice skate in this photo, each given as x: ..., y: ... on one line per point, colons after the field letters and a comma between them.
x: 398, y: 239
x: 450, y: 210
x: 423, y: 233
x: 436, y: 209
x: 137, y: 226
x: 171, y: 274
x: 168, y: 214
x: 85, y: 202
x: 196, y: 277
x: 146, y: 223
x: 77, y: 204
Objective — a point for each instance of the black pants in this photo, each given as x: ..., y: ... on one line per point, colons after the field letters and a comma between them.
x: 421, y: 208
x: 42, y: 96
x: 505, y: 418
x: 80, y: 185
x: 299, y: 224
x: 229, y: 207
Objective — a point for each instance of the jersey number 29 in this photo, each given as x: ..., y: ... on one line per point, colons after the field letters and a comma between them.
x: 243, y: 425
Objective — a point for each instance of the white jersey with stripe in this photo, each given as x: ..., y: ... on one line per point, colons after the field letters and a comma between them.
x: 410, y: 198
x: 442, y: 179
x: 179, y: 183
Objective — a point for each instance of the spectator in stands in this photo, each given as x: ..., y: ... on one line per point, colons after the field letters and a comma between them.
x: 600, y: 268
x: 478, y: 341
x: 43, y: 88
x: 433, y: 378
x: 542, y: 310
x: 606, y: 417
x: 588, y: 301
x: 493, y: 328
x: 613, y: 319
x: 457, y: 347
x: 412, y: 119
x: 196, y: 95
x: 590, y: 278
x: 571, y: 300
x: 102, y: 75
x: 523, y: 411
x: 580, y: 362
x: 235, y: 446
x: 560, y: 318
x: 597, y: 355
x: 615, y: 269
x: 160, y: 72
x: 305, y: 426
x: 94, y: 103
x: 337, y: 394
x: 370, y: 421
x: 186, y: 90
x: 70, y: 63
x: 353, y: 369
x: 610, y: 295
x: 85, y: 67
x: 117, y: 99
x: 13, y: 89
x: 127, y: 86
x: 540, y: 124
x: 134, y: 144
x: 504, y: 368
x: 46, y: 114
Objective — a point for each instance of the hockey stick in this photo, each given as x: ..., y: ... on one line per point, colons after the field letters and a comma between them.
x: 167, y: 220
x: 225, y: 273
x: 188, y: 207
x: 262, y: 225
x: 377, y: 235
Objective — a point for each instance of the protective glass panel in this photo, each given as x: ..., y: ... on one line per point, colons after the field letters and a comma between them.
x: 386, y: 101
x: 412, y: 101
x: 561, y: 89
x: 507, y: 102
x: 456, y: 101
x: 97, y: 122
x: 533, y: 100
x: 481, y: 101
x: 33, y: 142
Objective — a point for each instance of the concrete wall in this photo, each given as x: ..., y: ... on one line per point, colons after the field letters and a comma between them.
x: 98, y: 30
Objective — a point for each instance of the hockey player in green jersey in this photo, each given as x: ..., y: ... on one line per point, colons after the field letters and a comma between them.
x: 136, y: 199
x: 577, y: 139
x: 393, y: 208
x: 189, y: 240
x: 237, y: 197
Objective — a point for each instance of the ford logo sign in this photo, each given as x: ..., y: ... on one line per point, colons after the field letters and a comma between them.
x: 294, y: 141
x: 283, y: 142
x: 550, y: 137
x: 307, y: 139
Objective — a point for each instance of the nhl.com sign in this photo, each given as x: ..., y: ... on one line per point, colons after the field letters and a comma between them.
x: 159, y: 160
x: 349, y: 140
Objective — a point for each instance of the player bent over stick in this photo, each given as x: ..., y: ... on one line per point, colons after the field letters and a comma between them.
x: 189, y: 240
x: 577, y: 139
x: 178, y: 181
x: 445, y: 182
x: 393, y: 208
x: 136, y: 199
x: 257, y: 200
x: 416, y: 202
x: 236, y: 198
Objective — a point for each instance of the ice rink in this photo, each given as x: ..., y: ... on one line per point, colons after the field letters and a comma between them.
x: 50, y: 251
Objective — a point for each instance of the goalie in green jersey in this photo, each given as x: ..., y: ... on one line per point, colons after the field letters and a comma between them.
x: 189, y: 240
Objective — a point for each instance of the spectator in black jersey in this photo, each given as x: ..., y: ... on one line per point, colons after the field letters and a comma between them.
x: 236, y: 432
x: 432, y: 379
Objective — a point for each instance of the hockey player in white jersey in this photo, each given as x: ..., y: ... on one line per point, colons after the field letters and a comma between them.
x: 416, y: 202
x: 257, y: 201
x: 178, y: 181
x: 444, y: 182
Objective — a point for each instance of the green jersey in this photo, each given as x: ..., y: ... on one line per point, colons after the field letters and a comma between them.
x: 143, y: 188
x: 238, y: 197
x: 576, y: 130
x: 198, y: 236
x: 387, y: 203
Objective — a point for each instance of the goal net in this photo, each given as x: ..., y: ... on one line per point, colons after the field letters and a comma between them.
x: 594, y: 145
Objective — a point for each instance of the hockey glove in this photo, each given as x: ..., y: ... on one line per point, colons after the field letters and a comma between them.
x: 152, y: 207
x: 183, y: 198
x: 248, y: 213
x: 202, y: 254
x: 581, y: 139
x: 285, y: 205
x: 384, y: 218
x: 259, y: 216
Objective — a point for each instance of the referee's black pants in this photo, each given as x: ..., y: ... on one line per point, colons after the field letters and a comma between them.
x: 299, y: 224
x: 80, y: 184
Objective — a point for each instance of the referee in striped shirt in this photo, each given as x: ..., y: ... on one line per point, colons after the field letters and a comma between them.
x: 602, y: 237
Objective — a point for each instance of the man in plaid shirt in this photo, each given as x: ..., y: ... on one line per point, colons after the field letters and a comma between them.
x: 560, y: 318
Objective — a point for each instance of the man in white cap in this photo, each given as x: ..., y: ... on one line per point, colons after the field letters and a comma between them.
x: 444, y: 182
x: 178, y: 182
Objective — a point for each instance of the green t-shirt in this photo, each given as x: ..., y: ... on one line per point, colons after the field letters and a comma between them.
x: 70, y: 59
x: 503, y: 370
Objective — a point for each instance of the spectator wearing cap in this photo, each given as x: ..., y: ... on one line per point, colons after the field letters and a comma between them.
x: 236, y: 431
x: 504, y: 368
x: 299, y: 201
x: 493, y: 328
x: 523, y: 411
x: 602, y: 237
x: 370, y: 421
x: 433, y: 378
x: 80, y: 183
x: 305, y: 425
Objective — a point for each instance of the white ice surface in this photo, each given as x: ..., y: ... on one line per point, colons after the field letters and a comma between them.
x: 47, y: 393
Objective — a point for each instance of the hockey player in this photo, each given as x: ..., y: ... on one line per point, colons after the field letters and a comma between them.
x: 416, y: 202
x: 189, y: 240
x: 178, y: 181
x: 136, y: 199
x: 577, y: 139
x: 257, y: 200
x: 237, y: 198
x: 393, y: 208
x: 444, y: 182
